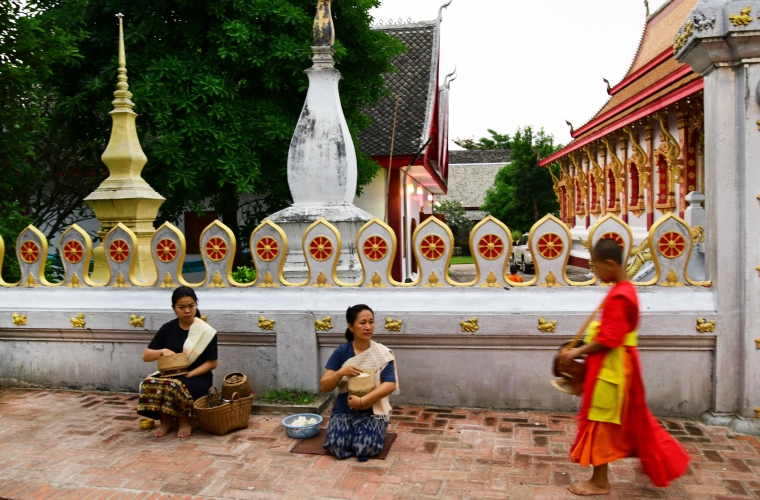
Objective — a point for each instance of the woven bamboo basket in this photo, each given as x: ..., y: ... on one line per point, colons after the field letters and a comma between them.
x: 361, y: 386
x: 236, y: 382
x: 174, y: 365
x: 225, y: 418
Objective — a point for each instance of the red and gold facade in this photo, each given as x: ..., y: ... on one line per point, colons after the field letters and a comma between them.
x: 640, y: 155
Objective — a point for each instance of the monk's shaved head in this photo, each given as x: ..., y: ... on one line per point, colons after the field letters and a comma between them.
x: 608, y: 249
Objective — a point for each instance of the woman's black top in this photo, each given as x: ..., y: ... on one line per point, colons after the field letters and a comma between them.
x: 171, y: 336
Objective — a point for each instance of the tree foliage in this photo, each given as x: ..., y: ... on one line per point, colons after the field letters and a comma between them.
x: 523, y: 192
x: 456, y: 216
x: 496, y: 141
x: 219, y: 86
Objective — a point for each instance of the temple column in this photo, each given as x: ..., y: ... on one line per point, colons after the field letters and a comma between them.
x: 605, y: 187
x: 683, y: 141
x: 650, y: 192
x: 622, y: 142
x: 728, y: 57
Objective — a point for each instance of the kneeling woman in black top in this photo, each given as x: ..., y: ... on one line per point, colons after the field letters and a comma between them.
x: 172, y: 398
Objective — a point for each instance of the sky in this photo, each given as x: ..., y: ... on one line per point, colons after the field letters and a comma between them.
x: 533, y: 63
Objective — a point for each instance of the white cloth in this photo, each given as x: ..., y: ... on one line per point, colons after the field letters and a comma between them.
x: 373, y: 359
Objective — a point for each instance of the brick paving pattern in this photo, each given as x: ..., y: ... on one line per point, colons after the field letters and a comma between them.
x: 76, y: 445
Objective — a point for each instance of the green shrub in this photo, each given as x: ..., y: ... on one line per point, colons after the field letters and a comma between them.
x: 244, y: 274
x: 289, y: 396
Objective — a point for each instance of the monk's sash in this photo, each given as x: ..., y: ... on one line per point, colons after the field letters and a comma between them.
x: 374, y: 359
x: 609, y: 390
x: 198, y: 338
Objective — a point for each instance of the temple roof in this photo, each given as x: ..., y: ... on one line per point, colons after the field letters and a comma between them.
x: 475, y: 156
x: 653, y: 76
x: 468, y: 183
x: 416, y: 85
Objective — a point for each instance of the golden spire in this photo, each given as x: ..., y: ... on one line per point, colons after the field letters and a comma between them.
x: 324, y: 31
x: 122, y: 94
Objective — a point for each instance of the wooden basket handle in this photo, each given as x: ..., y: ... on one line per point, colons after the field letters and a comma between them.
x: 578, y: 336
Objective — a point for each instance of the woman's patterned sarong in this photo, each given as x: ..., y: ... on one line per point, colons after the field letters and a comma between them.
x: 362, y: 435
x: 164, y: 395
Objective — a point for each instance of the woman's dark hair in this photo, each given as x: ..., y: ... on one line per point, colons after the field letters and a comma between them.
x: 351, y: 314
x: 182, y: 292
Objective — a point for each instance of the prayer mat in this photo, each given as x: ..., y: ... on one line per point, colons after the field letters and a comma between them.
x: 313, y: 445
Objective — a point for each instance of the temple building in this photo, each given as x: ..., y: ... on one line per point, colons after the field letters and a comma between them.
x: 643, y: 151
x: 410, y: 131
x: 471, y: 174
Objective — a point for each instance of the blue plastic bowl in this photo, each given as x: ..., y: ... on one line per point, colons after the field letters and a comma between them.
x: 301, y: 432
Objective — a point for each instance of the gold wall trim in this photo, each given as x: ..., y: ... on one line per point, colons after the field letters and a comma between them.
x: 124, y: 336
x: 527, y: 342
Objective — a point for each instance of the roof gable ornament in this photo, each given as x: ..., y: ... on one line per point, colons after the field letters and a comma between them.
x: 440, y: 10
x: 646, y: 4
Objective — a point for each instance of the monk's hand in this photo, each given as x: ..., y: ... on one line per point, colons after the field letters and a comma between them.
x: 167, y: 352
x: 353, y: 402
x: 349, y: 371
x: 566, y: 357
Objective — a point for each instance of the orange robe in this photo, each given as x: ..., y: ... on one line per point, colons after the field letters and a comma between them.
x: 639, y: 433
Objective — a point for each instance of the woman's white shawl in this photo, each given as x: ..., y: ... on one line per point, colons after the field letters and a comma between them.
x: 374, y: 359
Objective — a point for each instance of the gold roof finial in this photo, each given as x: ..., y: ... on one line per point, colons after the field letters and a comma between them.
x: 122, y: 94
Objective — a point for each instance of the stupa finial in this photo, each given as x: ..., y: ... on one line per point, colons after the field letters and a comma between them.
x: 122, y: 94
x: 324, y: 31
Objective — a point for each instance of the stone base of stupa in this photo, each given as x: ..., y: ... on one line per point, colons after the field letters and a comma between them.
x: 347, y: 219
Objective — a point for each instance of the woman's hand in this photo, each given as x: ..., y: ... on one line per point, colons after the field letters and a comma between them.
x: 355, y: 402
x: 167, y: 352
x: 348, y: 371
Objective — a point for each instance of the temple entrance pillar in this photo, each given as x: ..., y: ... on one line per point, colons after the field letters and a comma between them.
x: 721, y: 40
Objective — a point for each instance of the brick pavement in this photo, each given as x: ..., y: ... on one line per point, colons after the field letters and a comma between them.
x: 78, y: 445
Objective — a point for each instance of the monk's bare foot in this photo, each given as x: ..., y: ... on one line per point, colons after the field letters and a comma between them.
x: 185, y: 427
x: 166, y: 426
x: 588, y: 488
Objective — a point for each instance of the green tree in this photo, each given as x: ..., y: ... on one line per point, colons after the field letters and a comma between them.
x: 219, y: 86
x: 523, y: 192
x: 37, y: 179
x: 455, y: 214
x: 496, y: 141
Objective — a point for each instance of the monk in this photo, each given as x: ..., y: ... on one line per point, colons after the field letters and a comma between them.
x: 614, y: 420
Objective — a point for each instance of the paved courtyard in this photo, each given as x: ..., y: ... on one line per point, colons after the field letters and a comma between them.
x: 78, y: 445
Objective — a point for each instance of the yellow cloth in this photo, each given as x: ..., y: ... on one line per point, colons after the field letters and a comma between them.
x: 609, y: 391
x: 198, y: 338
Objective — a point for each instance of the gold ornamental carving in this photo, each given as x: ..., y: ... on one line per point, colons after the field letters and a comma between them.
x: 640, y: 161
x: 217, y: 281
x: 321, y: 281
x: 433, y: 281
x: 18, y: 319
x: 547, y: 326
x: 742, y: 19
x: 580, y: 185
x: 683, y: 37
x: 137, y: 321
x: 78, y: 321
x: 671, y: 151
x: 121, y: 282
x: 492, y: 281
x: 671, y: 280
x: 757, y: 342
x: 704, y: 326
x: 266, y: 324
x: 30, y: 282
x: 74, y: 282
x: 597, y: 174
x: 204, y: 318
x: 268, y: 281
x: 393, y: 326
x: 551, y: 281
x: 470, y: 326
x: 168, y: 282
x: 616, y: 167
x: 376, y: 282
x: 757, y: 411
x: 324, y: 324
